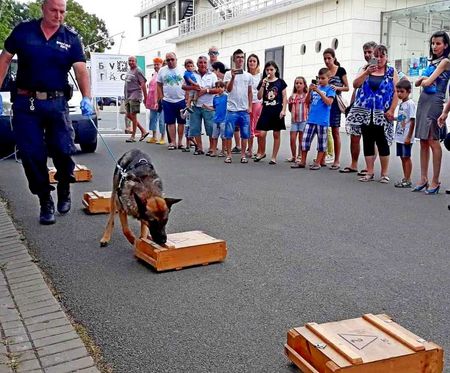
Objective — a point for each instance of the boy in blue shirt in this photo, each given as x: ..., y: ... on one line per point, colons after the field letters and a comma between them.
x: 220, y: 107
x: 189, y: 78
x: 319, y: 99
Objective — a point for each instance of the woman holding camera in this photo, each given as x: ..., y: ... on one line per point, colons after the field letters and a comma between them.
x: 373, y: 110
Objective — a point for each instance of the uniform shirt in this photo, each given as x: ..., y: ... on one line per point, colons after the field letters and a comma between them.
x: 238, y: 97
x: 406, y: 112
x: 133, y: 80
x: 43, y: 64
x: 319, y: 112
x: 208, y: 80
x: 172, y: 82
x: 220, y: 106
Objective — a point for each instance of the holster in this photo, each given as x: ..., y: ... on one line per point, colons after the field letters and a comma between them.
x: 68, y: 91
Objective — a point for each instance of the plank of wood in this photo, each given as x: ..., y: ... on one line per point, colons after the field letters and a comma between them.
x: 394, y: 333
x: 298, y: 360
x: 337, y: 345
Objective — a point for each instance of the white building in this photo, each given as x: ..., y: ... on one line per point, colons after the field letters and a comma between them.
x: 292, y: 32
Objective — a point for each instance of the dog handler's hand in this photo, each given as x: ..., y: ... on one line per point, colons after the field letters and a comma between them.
x: 86, y: 107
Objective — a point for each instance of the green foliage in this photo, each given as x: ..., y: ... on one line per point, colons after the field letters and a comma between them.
x: 90, y: 28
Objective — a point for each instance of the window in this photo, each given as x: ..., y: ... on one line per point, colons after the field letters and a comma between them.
x: 334, y: 43
x: 318, y: 46
x: 277, y: 55
x: 162, y: 18
x: 145, y: 26
x: 303, y: 49
x: 186, y: 8
x: 171, y: 14
x: 153, y: 22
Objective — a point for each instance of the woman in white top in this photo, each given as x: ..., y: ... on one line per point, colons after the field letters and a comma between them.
x: 253, y: 69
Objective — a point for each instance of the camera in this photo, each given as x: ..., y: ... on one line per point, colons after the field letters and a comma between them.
x: 314, y: 81
x: 373, y: 61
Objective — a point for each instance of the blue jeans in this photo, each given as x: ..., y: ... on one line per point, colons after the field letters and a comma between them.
x: 196, y: 121
x: 157, y: 118
x: 44, y: 131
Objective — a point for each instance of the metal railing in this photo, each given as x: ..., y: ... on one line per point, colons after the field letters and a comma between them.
x: 227, y: 11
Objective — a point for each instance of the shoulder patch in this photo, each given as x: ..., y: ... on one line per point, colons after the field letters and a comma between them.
x: 71, y: 30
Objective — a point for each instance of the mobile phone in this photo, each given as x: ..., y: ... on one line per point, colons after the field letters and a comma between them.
x: 373, y: 61
x: 238, y: 71
x: 314, y: 81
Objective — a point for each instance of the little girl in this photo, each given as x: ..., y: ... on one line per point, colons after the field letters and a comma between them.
x: 299, y: 114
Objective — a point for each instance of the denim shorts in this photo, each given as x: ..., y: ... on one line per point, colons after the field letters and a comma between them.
x: 298, y: 127
x: 196, y: 121
x: 240, y: 119
x: 218, y: 130
x: 404, y: 150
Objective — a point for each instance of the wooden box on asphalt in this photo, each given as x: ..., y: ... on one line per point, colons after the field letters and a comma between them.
x: 82, y: 173
x: 181, y: 250
x: 368, y: 344
x: 97, y: 202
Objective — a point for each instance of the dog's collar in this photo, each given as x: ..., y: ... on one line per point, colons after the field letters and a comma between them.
x: 124, y: 173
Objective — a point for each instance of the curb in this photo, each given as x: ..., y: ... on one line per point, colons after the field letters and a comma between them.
x: 36, y: 334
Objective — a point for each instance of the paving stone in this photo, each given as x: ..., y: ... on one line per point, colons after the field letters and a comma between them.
x: 8, y: 241
x: 41, y: 311
x: 47, y: 317
x: 12, y: 324
x: 59, y: 347
x: 6, y: 299
x: 25, y: 284
x: 89, y: 370
x: 25, y: 355
x: 30, y: 289
x: 14, y: 331
x: 20, y: 347
x: 64, y: 356
x: 21, y: 338
x: 26, y: 366
x: 48, y: 324
x: 40, y: 304
x: 55, y: 339
x: 20, y: 272
x: 5, y: 369
x: 51, y: 331
x: 23, y: 299
x: 19, y: 264
x: 20, y: 280
x: 12, y: 250
x: 10, y: 317
x: 85, y: 362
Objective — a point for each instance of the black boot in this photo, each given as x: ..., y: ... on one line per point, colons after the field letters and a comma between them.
x: 47, y: 215
x: 64, y: 202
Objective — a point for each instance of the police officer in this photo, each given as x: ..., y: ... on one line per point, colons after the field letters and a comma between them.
x: 46, y: 50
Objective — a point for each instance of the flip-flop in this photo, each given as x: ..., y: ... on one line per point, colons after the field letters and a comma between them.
x: 257, y: 159
x: 130, y: 140
x: 171, y: 147
x: 362, y: 173
x: 228, y: 160
x: 366, y: 178
x: 272, y: 162
x: 314, y: 167
x: 298, y: 165
x: 142, y: 138
x: 348, y: 170
x: 335, y: 167
x: 244, y: 160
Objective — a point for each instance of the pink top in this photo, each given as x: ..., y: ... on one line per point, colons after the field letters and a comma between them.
x: 152, y: 96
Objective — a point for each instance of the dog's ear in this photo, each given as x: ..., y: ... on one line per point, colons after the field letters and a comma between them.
x: 171, y: 201
x: 142, y: 210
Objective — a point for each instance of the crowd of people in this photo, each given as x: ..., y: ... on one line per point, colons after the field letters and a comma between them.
x: 245, y: 103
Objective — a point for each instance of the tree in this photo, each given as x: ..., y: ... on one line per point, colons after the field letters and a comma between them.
x: 90, y: 28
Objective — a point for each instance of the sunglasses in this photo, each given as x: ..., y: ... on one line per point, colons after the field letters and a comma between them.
x: 170, y: 59
x: 213, y: 53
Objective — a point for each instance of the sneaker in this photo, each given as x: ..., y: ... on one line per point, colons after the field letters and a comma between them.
x: 403, y: 183
x: 152, y: 140
x: 236, y: 150
x: 329, y: 159
x: 161, y: 142
x: 47, y: 213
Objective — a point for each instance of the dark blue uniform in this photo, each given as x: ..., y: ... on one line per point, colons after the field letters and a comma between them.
x: 42, y: 126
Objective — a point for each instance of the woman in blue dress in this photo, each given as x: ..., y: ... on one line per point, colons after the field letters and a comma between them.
x: 429, y: 108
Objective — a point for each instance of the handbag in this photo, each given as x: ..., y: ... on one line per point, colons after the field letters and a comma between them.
x: 342, y: 103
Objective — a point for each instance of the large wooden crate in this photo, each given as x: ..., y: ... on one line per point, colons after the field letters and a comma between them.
x: 368, y: 344
x: 81, y: 172
x: 181, y: 250
x: 97, y: 202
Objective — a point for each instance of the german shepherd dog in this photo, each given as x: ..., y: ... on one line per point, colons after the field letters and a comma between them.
x: 137, y: 191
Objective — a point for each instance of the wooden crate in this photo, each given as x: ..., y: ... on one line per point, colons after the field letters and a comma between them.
x: 368, y: 344
x: 181, y: 250
x: 97, y: 202
x: 82, y: 173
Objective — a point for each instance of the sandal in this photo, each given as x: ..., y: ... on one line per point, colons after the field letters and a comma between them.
x: 291, y: 159
x: 181, y: 147
x: 131, y: 139
x: 171, y: 147
x: 258, y: 158
x: 142, y: 138
x: 348, y: 170
x: 199, y: 152
x: 186, y: 150
x: 228, y: 160
x: 315, y: 167
x: 298, y: 165
x: 244, y: 160
x: 403, y: 184
x: 384, y: 180
x: 366, y: 178
x: 221, y: 155
x: 362, y: 173
x: 212, y: 155
x: 335, y: 167
x: 273, y: 162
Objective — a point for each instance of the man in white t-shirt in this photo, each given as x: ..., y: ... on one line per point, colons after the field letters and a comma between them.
x: 239, y: 106
x: 170, y: 82
x: 202, y: 109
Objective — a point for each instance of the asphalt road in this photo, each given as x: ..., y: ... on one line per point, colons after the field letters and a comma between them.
x: 303, y: 246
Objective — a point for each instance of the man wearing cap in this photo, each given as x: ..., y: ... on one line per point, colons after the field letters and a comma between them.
x: 46, y: 50
x: 155, y: 107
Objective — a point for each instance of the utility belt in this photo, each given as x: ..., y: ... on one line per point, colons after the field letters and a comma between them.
x: 46, y: 95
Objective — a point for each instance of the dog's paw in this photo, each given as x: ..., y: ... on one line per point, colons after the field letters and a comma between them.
x: 103, y: 243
